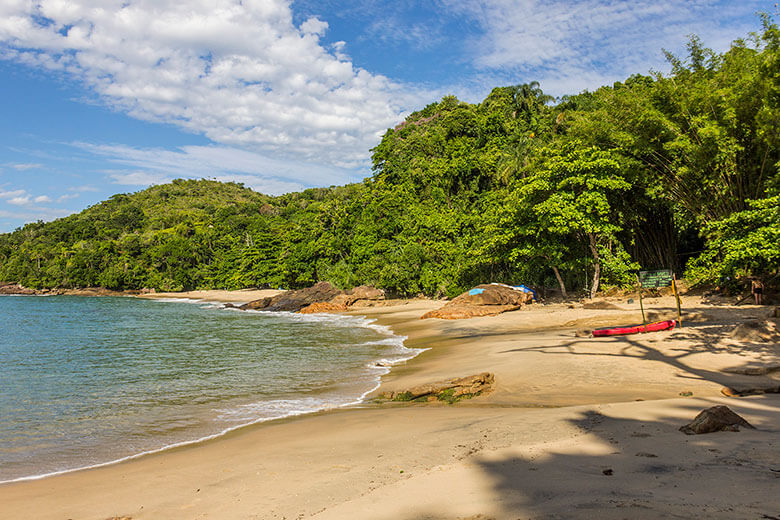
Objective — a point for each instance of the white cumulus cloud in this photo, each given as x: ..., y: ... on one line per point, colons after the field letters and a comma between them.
x: 23, y: 200
x: 12, y: 194
x: 238, y: 71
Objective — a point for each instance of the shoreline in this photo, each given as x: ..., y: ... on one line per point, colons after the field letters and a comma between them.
x: 235, y: 297
x: 339, y: 463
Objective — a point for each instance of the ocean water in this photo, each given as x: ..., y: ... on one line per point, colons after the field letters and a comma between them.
x: 87, y: 381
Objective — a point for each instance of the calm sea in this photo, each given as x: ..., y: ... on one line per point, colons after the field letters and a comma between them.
x: 86, y: 381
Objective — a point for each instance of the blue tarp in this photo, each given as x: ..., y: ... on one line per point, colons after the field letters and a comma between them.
x: 526, y: 289
x: 474, y: 292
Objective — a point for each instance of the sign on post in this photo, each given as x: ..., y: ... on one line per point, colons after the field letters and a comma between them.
x: 656, y: 279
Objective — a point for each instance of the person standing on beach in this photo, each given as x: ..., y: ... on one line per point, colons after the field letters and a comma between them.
x: 758, y: 290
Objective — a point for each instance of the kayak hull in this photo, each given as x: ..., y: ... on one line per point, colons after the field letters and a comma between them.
x: 636, y: 329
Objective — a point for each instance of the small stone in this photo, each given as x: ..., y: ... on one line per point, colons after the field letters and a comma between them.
x: 607, y: 472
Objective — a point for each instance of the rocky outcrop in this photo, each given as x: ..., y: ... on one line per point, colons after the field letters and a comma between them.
x: 482, y: 300
x: 321, y: 297
x: 321, y: 307
x: 715, y: 419
x: 360, y: 293
x: 293, y: 301
x: 85, y: 291
x: 450, y: 390
x: 15, y: 288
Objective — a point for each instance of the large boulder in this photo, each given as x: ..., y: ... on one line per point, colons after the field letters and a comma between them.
x: 716, y: 419
x: 322, y: 307
x: 321, y: 297
x: 482, y: 300
x: 362, y: 292
x: 294, y: 301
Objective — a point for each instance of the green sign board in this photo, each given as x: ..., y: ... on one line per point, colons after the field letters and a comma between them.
x: 662, y: 278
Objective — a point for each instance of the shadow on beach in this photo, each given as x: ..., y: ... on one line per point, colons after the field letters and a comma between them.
x: 624, y: 468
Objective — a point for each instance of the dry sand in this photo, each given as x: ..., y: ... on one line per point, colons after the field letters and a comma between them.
x: 566, y: 410
x: 243, y: 296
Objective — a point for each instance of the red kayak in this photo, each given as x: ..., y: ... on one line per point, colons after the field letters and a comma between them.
x: 635, y: 329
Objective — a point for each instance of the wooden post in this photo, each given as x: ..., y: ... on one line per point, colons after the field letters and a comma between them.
x: 677, y: 298
x: 641, y: 305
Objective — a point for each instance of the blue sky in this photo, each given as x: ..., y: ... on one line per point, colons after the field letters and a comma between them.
x: 105, y: 96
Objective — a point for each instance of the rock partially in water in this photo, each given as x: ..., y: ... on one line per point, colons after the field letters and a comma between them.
x: 716, y: 419
x: 321, y: 297
x: 294, y: 301
x: 15, y: 288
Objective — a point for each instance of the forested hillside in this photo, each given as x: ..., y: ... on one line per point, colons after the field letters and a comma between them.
x: 676, y: 171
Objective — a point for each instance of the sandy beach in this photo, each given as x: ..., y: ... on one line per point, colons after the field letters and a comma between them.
x: 576, y: 427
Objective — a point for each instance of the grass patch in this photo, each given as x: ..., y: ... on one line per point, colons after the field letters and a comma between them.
x: 405, y: 396
x: 447, y: 396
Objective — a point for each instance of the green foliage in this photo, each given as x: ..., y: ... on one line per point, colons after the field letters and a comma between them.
x: 743, y: 244
x: 645, y: 173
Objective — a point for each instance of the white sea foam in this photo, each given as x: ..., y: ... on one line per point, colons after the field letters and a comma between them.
x: 175, y: 300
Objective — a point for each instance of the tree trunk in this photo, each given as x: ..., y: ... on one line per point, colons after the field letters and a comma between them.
x: 560, y: 282
x: 596, y: 265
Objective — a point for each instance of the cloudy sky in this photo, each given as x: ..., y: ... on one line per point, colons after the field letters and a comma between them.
x: 105, y: 96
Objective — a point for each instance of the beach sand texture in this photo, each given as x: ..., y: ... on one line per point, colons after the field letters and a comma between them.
x: 576, y: 427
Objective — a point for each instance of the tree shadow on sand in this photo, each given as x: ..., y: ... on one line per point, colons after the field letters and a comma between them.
x: 647, y: 470
x: 622, y: 468
x: 682, y: 344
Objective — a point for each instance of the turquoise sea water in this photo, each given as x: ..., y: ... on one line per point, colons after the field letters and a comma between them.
x: 86, y: 381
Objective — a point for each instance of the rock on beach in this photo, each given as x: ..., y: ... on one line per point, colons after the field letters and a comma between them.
x: 482, y: 300
x: 321, y: 297
x: 716, y: 419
